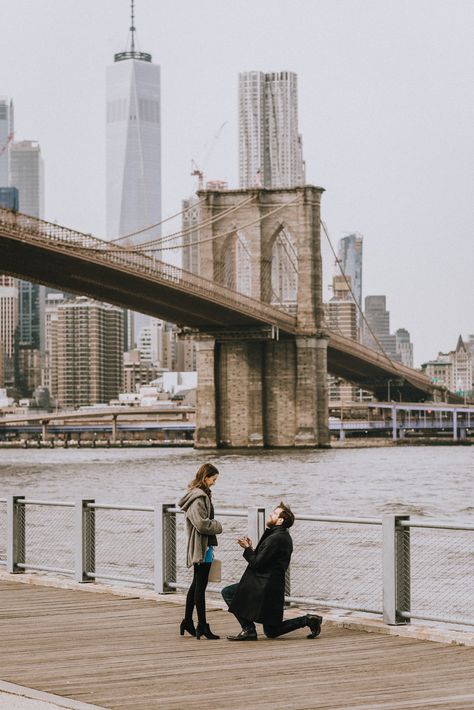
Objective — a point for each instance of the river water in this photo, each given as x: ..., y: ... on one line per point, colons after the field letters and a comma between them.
x: 435, y: 481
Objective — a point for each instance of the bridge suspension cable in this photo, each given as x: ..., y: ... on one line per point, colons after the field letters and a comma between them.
x: 157, y: 224
x: 147, y: 246
x: 140, y: 249
x: 393, y: 363
x: 231, y: 231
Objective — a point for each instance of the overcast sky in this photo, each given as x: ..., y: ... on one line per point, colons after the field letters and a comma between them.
x: 386, y: 112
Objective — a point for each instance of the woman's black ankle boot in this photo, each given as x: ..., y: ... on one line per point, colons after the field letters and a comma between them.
x: 187, y: 625
x: 204, y: 630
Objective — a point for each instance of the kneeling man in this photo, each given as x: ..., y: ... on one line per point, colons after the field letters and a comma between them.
x: 260, y: 594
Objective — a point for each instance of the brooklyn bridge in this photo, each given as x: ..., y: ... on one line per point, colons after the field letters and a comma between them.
x: 255, y: 310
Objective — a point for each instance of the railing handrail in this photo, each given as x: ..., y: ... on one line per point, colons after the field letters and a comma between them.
x: 339, y: 519
x: 119, y: 506
x: 436, y: 525
x: 52, y: 503
x: 235, y: 512
x: 243, y: 512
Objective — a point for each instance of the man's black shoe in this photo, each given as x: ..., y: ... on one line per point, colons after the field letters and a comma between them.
x: 314, y: 622
x: 245, y: 635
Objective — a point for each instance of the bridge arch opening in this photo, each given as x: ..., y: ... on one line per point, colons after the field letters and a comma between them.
x: 284, y: 270
x: 237, y: 263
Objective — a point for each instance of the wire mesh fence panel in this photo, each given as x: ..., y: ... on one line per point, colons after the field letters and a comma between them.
x: 442, y: 573
x: 337, y: 563
x: 124, y: 544
x: 3, y: 532
x: 49, y: 536
x: 227, y: 551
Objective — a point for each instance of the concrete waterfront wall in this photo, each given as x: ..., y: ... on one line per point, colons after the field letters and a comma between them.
x: 253, y: 390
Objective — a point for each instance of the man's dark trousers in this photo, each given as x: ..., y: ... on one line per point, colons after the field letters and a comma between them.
x: 284, y: 627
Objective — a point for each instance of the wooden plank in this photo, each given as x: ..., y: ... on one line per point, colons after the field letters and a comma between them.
x: 123, y: 653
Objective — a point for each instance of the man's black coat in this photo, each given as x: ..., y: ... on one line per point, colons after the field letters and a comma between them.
x: 260, y: 595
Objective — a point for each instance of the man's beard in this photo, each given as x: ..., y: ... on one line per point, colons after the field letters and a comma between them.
x: 271, y: 524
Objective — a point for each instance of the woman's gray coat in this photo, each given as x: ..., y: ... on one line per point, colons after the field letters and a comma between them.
x: 196, y: 505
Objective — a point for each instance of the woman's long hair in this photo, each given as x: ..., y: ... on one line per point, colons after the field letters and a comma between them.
x: 207, y: 469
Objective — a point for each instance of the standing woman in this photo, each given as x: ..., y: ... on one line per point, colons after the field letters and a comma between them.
x: 201, y: 529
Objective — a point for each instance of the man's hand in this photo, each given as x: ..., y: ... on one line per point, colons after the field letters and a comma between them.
x: 244, y: 542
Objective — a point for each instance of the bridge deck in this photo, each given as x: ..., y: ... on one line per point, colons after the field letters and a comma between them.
x: 70, y: 261
x: 122, y: 653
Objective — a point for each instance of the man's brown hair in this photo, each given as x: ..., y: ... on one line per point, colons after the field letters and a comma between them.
x: 287, y: 515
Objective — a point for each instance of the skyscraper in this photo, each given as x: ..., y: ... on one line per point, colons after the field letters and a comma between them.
x: 27, y: 175
x: 133, y: 158
x: 8, y: 284
x: 342, y: 319
x: 377, y: 323
x: 50, y: 367
x: 342, y: 312
x: 270, y: 147
x: 6, y: 137
x: 133, y: 155
x: 404, y: 347
x: 8, y: 326
x: 350, y: 260
x: 86, y: 352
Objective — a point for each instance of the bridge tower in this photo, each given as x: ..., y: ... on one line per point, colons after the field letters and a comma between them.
x: 258, y: 387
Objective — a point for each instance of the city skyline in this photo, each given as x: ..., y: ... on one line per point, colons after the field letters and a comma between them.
x: 386, y: 133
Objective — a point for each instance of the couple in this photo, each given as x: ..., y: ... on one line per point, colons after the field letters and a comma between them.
x: 260, y: 594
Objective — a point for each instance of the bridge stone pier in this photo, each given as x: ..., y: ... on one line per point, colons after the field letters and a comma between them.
x: 261, y: 386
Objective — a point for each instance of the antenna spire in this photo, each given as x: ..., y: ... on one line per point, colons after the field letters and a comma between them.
x: 132, y: 53
x: 132, y: 25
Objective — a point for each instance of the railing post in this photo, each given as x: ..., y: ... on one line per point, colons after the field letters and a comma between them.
x: 84, y: 540
x: 256, y: 524
x: 16, y: 528
x: 165, y: 548
x: 394, y: 423
x: 396, y: 569
x: 114, y: 429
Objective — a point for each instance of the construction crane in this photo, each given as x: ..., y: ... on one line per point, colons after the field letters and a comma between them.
x: 196, y: 170
x: 6, y: 144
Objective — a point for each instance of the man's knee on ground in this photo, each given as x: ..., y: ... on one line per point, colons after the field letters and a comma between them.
x: 270, y: 632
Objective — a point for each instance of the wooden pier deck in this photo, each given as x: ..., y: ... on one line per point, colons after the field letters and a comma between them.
x: 121, y: 653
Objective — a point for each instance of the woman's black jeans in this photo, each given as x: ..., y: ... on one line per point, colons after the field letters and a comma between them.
x: 196, y: 596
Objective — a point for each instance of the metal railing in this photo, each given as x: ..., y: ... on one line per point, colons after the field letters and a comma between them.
x: 400, y: 568
x: 337, y: 563
x: 440, y: 580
